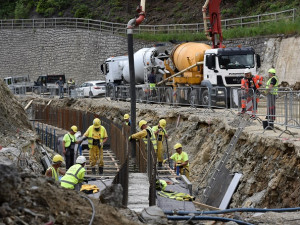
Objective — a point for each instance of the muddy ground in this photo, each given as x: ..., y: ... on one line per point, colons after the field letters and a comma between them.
x: 270, y: 165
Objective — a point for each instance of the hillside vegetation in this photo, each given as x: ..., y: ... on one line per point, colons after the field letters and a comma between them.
x: 158, y: 11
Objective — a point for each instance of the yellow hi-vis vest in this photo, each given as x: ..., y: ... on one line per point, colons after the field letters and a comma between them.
x: 275, y: 87
x: 54, y: 172
x: 152, y: 138
x: 74, y: 175
x: 102, y: 132
x: 176, y: 195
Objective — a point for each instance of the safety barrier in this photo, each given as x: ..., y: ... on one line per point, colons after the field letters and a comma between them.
x: 51, y: 92
x: 117, y: 141
x: 216, y: 97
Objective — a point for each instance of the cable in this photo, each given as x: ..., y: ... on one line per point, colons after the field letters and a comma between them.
x: 223, y: 219
x: 93, y: 208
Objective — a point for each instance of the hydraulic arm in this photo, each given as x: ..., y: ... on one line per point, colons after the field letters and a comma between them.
x: 214, y: 32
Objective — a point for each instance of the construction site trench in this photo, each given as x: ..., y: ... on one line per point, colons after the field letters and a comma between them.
x: 269, y: 165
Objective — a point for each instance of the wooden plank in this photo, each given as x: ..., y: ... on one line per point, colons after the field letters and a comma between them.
x: 29, y: 103
x: 204, y: 205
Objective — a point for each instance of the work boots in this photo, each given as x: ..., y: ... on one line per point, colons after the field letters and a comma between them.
x: 94, y: 171
x: 100, y: 170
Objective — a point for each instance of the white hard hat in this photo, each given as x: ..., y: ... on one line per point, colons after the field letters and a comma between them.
x: 81, y: 159
x: 247, y: 70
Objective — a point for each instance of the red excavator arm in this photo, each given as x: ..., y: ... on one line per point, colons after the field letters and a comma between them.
x: 214, y: 32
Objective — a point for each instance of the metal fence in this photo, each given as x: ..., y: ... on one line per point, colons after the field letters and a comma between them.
x: 51, y: 92
x: 287, y: 101
x: 120, y: 28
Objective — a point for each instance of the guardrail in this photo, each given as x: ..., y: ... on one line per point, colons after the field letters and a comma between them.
x: 120, y: 28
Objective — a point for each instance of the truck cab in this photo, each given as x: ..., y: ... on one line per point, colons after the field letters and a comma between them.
x: 226, y: 66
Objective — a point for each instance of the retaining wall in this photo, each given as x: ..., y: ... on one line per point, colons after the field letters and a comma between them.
x: 79, y: 53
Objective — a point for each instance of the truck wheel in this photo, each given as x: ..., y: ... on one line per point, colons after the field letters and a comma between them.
x: 205, y: 98
x: 141, y: 96
x: 194, y: 97
x: 37, y: 91
x: 169, y: 96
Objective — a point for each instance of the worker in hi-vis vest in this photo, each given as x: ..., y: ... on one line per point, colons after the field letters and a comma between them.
x: 74, y: 176
x: 97, y: 136
x: 69, y: 142
x: 144, y: 134
x: 250, y: 85
x: 127, y: 119
x: 161, y: 134
x: 181, y: 160
x: 54, y: 170
x: 271, y: 92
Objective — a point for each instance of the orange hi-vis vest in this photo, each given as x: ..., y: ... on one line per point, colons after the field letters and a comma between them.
x: 257, y: 82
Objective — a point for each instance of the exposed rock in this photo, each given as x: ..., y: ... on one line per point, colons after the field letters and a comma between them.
x: 154, y: 215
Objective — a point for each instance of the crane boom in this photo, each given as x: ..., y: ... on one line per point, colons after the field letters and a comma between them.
x: 214, y: 32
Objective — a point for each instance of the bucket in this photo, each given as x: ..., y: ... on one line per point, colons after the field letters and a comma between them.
x: 268, y: 124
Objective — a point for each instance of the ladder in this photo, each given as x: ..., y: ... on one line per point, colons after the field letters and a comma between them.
x: 225, y: 158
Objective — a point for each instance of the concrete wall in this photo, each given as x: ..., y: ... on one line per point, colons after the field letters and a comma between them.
x: 79, y: 53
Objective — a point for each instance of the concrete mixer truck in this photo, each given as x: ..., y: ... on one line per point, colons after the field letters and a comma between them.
x: 146, y: 60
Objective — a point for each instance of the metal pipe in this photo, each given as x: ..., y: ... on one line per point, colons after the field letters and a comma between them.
x: 179, y: 73
x: 205, y: 20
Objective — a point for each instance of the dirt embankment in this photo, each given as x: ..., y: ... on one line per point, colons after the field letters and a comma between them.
x: 27, y: 196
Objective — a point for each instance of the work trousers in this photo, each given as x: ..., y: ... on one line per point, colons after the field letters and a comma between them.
x: 94, y: 153
x: 61, y: 91
x: 247, y: 98
x: 271, y: 101
x: 69, y: 158
x: 185, y: 171
x: 160, y: 151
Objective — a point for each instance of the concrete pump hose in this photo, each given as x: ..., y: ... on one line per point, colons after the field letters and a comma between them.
x: 93, y: 208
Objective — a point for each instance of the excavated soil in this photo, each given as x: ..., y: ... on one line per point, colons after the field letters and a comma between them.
x: 31, y: 199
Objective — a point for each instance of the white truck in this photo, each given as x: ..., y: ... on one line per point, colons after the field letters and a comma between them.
x: 18, y: 84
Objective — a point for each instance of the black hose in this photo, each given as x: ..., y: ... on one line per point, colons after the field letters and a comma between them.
x: 233, y: 210
x: 222, y: 219
x: 93, y: 208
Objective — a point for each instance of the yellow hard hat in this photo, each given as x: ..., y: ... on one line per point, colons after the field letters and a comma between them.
x: 272, y: 71
x: 178, y: 145
x: 163, y: 123
x: 97, y: 123
x: 142, y: 122
x: 126, y: 116
x: 74, y: 128
x: 57, y: 158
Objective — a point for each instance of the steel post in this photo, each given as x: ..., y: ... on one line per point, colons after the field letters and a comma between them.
x: 132, y: 89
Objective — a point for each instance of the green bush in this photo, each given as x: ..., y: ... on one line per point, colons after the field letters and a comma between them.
x: 49, y: 7
x: 81, y: 11
x: 21, y: 10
